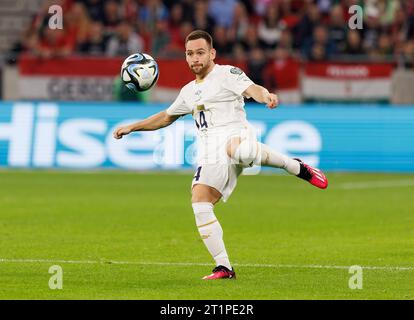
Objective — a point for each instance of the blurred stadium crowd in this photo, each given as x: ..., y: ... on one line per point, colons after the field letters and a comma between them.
x: 242, y: 30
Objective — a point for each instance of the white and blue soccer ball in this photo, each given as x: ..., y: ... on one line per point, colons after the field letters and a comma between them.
x: 139, y: 72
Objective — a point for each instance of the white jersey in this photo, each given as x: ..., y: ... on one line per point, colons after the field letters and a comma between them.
x: 216, y: 103
x: 217, y: 106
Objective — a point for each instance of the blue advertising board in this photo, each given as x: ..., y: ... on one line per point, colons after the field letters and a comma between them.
x: 79, y: 136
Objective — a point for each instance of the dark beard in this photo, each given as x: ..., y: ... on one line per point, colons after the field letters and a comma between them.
x: 202, y: 71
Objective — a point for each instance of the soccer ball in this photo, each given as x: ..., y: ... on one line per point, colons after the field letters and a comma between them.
x: 139, y: 72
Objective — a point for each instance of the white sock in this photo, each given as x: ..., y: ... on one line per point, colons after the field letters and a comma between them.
x: 275, y: 159
x: 211, y: 232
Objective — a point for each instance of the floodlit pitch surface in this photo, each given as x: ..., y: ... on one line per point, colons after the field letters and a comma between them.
x: 125, y: 235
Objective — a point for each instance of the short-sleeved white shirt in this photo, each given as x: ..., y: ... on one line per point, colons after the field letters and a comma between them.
x: 216, y: 103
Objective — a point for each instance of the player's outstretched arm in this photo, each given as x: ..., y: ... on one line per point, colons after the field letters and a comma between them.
x: 157, y: 121
x: 262, y: 95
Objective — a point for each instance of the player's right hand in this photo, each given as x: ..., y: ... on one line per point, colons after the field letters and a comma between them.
x: 272, y: 101
x: 121, y: 131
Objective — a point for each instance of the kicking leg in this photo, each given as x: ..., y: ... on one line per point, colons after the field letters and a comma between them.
x: 249, y: 152
x: 203, y: 199
x: 294, y: 166
x: 272, y: 158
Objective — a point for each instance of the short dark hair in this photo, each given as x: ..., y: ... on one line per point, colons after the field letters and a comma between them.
x: 200, y: 34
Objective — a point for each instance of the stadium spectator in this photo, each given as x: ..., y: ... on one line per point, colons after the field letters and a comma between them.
x: 248, y: 5
x: 387, y: 10
x: 201, y: 19
x: 222, y: 12
x: 54, y: 43
x: 27, y: 43
x: 125, y: 42
x: 337, y: 28
x: 353, y: 44
x: 270, y: 28
x: 149, y: 14
x: 304, y: 29
x: 384, y: 45
x: 278, y: 61
x: 410, y: 26
x: 30, y: 41
x: 175, y: 19
x: 77, y: 23
x: 317, y: 53
x: 240, y: 21
x: 129, y: 11
x: 221, y: 43
x: 319, y: 47
x: 251, y: 40
x: 188, y: 10
x: 160, y: 38
x: 96, y: 43
x: 324, y: 6
x: 238, y: 54
x: 288, y: 16
x: 256, y: 64
x: 111, y: 17
x: 176, y: 45
x: 372, y: 28
x: 260, y: 6
x: 400, y: 28
x: 406, y: 58
x: 285, y: 41
x: 169, y: 4
x: 95, y: 9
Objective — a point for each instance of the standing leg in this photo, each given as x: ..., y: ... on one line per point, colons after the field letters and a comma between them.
x: 203, y: 199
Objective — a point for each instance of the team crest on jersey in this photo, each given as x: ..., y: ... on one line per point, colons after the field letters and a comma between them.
x: 236, y: 70
x: 198, y: 95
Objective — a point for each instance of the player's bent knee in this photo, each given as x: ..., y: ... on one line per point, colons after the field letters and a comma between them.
x: 232, y: 146
x: 247, y: 153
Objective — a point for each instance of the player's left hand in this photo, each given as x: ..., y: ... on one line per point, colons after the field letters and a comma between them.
x: 272, y: 101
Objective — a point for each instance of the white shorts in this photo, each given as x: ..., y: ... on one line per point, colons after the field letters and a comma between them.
x: 215, y: 168
x: 221, y: 177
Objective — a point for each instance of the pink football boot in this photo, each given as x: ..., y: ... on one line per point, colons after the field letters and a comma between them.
x: 312, y: 175
x: 221, y: 272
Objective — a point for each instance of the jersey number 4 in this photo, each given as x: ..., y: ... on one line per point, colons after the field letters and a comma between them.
x: 203, y: 123
x: 197, y: 175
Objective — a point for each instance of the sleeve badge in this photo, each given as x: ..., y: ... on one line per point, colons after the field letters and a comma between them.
x: 236, y: 70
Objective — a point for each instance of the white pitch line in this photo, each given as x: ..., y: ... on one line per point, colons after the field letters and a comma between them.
x: 247, y: 265
x: 376, y: 184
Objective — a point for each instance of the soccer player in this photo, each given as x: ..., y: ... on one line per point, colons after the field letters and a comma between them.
x: 227, y: 142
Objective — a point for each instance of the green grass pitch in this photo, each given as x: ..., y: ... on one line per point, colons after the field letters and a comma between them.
x: 126, y: 235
